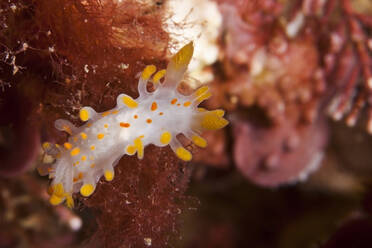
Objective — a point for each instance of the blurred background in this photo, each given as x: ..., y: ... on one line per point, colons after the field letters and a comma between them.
x: 292, y: 169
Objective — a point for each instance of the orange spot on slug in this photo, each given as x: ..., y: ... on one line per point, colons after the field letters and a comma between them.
x: 105, y: 113
x: 186, y: 104
x: 154, y: 106
x: 67, y: 145
x: 124, y: 124
x: 84, y: 136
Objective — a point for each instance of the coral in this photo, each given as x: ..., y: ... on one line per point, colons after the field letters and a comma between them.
x: 243, y: 27
x: 280, y: 87
x: 271, y: 87
x: 347, y: 60
x: 290, y: 70
x: 269, y: 156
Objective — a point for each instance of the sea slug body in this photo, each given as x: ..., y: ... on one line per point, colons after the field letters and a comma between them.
x: 157, y: 117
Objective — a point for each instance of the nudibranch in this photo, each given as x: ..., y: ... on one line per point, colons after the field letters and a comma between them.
x: 156, y: 117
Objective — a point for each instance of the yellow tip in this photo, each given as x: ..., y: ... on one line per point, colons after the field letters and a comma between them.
x: 183, y: 154
x: 139, y: 147
x: 219, y: 112
x: 158, y: 76
x: 165, y: 138
x: 58, y: 190
x: 84, y: 114
x: 67, y: 145
x: 87, y: 189
x: 183, y: 56
x: 55, y: 200
x: 109, y: 175
x: 46, y: 146
x: 69, y: 201
x: 201, y: 90
x: 199, y: 141
x: 212, y: 121
x: 204, y: 96
x: 129, y: 102
x: 130, y: 150
x: 148, y: 71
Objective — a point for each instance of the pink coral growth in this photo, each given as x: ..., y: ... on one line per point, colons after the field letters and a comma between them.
x: 348, y: 61
x: 282, y: 64
x: 243, y: 25
x: 270, y: 156
x: 278, y: 77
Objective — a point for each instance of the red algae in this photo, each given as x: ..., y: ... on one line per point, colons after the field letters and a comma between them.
x: 114, y: 42
x: 27, y: 220
x: 142, y: 203
x: 86, y: 53
x: 19, y: 135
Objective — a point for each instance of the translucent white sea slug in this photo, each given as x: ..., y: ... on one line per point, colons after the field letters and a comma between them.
x: 157, y: 117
